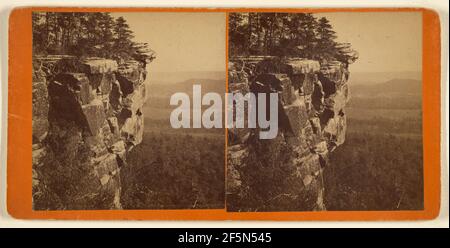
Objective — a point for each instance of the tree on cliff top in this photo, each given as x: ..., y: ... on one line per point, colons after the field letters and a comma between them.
x: 286, y: 35
x: 122, y: 38
x: 325, y: 38
x: 86, y: 35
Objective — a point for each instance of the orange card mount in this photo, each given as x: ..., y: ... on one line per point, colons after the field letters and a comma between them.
x: 119, y: 113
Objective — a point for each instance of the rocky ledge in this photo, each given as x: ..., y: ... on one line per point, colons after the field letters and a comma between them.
x: 86, y: 118
x: 312, y: 123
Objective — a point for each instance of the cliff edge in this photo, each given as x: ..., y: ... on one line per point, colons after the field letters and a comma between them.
x: 86, y: 118
x: 285, y: 173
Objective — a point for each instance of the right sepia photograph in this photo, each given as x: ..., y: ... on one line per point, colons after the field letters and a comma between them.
x: 348, y: 113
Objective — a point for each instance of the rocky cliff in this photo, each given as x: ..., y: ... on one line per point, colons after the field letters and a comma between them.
x: 86, y: 118
x: 285, y: 173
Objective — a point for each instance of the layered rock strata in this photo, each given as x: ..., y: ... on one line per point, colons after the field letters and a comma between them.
x: 87, y: 115
x: 312, y: 123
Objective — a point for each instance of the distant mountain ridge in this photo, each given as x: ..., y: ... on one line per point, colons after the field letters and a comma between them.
x: 366, y: 78
x: 158, y: 106
x: 393, y: 94
x: 176, y: 77
x: 393, y: 87
x: 208, y: 85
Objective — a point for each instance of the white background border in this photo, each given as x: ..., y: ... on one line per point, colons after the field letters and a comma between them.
x: 441, y: 6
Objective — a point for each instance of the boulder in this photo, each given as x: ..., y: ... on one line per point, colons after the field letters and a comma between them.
x: 302, y: 66
x: 78, y: 83
x: 133, y: 129
x: 297, y: 117
x: 321, y: 148
x: 130, y: 74
x: 334, y: 71
x: 99, y: 65
x: 105, y: 165
x: 94, y: 114
x: 292, y: 66
x: 102, y: 81
x: 280, y: 83
x: 136, y: 99
x: 119, y: 148
x: 335, y: 130
x: 336, y: 102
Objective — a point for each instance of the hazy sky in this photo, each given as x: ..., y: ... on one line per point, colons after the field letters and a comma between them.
x: 182, y: 41
x: 386, y: 41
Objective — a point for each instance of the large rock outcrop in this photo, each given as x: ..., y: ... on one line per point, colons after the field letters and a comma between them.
x: 86, y: 118
x: 285, y: 173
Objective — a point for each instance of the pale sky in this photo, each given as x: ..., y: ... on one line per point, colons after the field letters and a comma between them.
x: 182, y: 41
x: 386, y: 41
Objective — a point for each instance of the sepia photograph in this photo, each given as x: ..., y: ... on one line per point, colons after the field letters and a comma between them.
x: 294, y: 112
x: 202, y: 115
x: 103, y: 85
x: 349, y: 111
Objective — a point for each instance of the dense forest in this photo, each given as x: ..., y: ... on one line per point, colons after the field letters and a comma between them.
x: 392, y: 94
x: 375, y: 172
x: 175, y: 171
x: 175, y: 168
x: 286, y: 34
x: 380, y: 165
x: 86, y: 34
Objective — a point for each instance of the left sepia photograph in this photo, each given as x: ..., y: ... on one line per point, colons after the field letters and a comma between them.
x: 107, y: 91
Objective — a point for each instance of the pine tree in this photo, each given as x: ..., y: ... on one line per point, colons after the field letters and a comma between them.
x: 122, y: 38
x: 326, y: 45
x: 237, y: 35
x: 106, y: 24
x: 307, y: 33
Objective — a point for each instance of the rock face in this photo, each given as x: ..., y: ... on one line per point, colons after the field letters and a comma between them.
x: 86, y: 118
x: 312, y: 123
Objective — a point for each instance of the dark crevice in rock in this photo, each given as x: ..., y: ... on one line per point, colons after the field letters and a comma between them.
x: 64, y: 104
x: 123, y: 116
x: 125, y: 85
x: 328, y: 86
x: 326, y: 116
